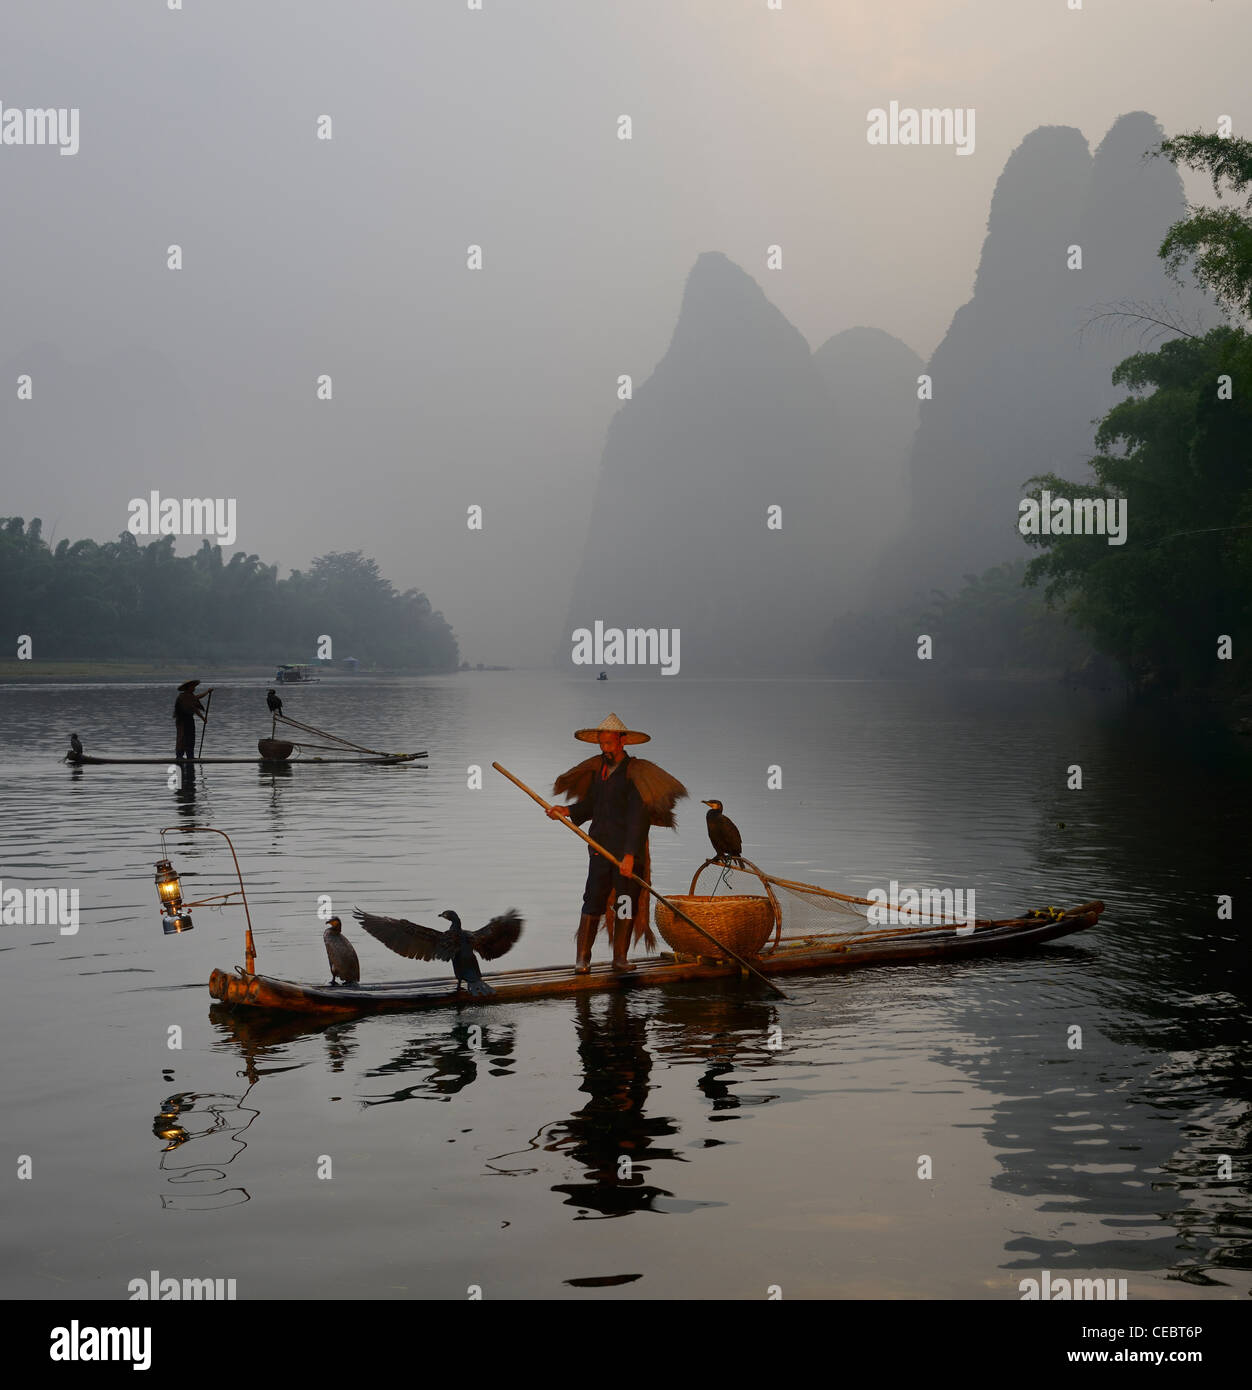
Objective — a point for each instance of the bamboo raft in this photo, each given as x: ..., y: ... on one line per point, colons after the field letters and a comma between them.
x: 255, y: 760
x: 793, y: 955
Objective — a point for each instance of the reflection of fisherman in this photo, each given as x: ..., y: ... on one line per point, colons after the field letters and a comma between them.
x: 186, y: 707
x: 616, y: 1067
x: 621, y: 797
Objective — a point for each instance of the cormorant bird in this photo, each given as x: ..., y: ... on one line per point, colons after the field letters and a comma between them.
x: 76, y: 746
x: 455, y: 944
x: 723, y: 834
x: 341, y: 954
x: 275, y: 704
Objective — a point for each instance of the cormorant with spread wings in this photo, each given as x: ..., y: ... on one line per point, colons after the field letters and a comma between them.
x: 457, y: 945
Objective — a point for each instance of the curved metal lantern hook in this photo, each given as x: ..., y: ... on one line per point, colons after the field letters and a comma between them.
x: 220, y: 899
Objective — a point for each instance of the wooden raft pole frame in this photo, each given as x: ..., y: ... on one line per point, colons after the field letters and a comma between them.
x: 660, y: 897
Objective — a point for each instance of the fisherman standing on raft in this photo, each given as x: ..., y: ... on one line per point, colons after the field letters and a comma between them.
x: 186, y: 706
x: 622, y: 797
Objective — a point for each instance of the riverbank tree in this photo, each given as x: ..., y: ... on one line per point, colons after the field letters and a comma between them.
x: 122, y: 600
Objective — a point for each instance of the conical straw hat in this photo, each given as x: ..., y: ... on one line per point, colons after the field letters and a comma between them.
x: 612, y: 725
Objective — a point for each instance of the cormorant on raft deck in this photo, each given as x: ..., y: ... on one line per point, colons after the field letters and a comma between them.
x: 425, y: 943
x: 342, y: 955
x: 799, y: 956
x: 723, y: 834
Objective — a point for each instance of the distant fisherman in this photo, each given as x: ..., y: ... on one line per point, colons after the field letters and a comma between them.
x: 76, y: 746
x: 186, y: 707
x: 621, y: 797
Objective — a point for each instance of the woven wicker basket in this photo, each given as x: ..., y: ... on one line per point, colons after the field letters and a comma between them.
x: 274, y: 749
x: 741, y: 922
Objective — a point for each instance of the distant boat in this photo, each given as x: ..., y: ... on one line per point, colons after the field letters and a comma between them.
x: 603, y: 676
x: 290, y: 674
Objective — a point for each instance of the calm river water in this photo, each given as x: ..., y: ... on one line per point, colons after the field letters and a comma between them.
x: 498, y: 1165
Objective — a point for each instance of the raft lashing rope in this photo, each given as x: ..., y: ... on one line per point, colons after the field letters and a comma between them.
x: 807, y: 912
x: 338, y: 744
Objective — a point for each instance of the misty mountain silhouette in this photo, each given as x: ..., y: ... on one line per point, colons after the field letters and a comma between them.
x: 739, y: 416
x: 1022, y: 371
x: 883, y: 497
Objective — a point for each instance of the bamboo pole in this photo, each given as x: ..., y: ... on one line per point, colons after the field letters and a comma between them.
x: 677, y: 911
x: 208, y: 706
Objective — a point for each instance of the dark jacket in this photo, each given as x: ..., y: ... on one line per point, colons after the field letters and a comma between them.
x: 619, y: 819
x: 187, y: 705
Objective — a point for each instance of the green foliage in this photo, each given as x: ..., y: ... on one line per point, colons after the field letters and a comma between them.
x: 1182, y: 459
x: 122, y: 600
x: 992, y: 624
x: 1181, y: 456
x: 1217, y: 241
x: 996, y: 622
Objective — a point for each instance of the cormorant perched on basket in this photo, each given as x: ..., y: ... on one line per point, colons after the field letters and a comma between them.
x: 275, y: 704
x: 341, y: 954
x: 455, y: 944
x: 724, y: 834
x: 76, y: 746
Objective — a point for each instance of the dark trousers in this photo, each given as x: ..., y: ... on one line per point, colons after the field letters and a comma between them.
x: 603, y: 877
x: 186, y: 742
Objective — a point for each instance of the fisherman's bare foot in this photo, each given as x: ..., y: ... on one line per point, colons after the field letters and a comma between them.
x: 582, y: 967
x: 622, y: 965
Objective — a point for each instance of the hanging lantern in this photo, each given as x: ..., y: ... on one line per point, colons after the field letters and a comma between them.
x: 169, y: 889
x: 176, y: 914
x: 174, y: 922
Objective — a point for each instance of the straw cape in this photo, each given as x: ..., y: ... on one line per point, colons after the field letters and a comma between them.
x: 659, y: 792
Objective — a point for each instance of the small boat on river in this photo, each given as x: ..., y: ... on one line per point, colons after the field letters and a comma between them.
x: 790, y: 955
x: 295, y: 674
x: 277, y: 752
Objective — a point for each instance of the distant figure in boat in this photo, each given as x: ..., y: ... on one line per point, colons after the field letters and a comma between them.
x: 344, y: 964
x: 425, y: 943
x: 186, y: 707
x: 275, y: 704
x: 76, y: 746
x: 724, y: 835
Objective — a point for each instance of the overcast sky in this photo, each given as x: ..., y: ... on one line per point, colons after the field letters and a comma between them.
x: 498, y: 127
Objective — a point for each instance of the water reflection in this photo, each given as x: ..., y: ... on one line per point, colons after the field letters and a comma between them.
x: 448, y: 1063
x: 725, y: 1029
x: 1121, y: 1137
x: 185, y: 796
x: 214, y: 1124
x: 611, y: 1136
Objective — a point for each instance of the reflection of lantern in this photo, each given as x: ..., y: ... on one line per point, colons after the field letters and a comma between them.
x: 169, y: 890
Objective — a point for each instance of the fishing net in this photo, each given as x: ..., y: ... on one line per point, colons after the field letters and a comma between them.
x: 335, y: 744
x: 806, y: 912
